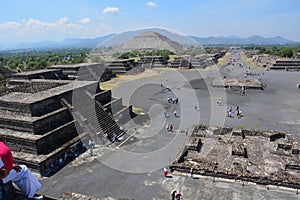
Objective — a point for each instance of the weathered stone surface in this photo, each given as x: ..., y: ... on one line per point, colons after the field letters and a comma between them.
x: 37, y: 116
x: 254, y: 158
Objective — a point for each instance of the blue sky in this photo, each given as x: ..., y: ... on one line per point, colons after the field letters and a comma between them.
x: 37, y: 20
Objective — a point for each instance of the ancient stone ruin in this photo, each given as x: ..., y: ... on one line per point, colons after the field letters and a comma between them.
x: 84, y: 71
x: 182, y: 62
x: 239, y: 84
x: 121, y: 66
x: 286, y: 65
x: 148, y: 62
x: 45, y: 117
x: 149, y: 41
x: 263, y: 157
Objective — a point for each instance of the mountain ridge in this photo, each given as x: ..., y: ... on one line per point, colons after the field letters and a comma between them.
x: 113, y: 40
x: 236, y: 40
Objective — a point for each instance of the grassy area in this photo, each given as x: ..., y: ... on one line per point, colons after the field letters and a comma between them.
x: 138, y: 111
x: 172, y: 57
x: 109, y: 85
x: 136, y: 59
x: 250, y: 63
x: 241, y: 127
x: 223, y: 61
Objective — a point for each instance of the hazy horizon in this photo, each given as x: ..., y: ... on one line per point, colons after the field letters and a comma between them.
x: 35, y: 21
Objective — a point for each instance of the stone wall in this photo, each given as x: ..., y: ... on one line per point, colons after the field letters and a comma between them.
x: 54, y: 139
x: 17, y: 144
x: 52, y: 121
x: 45, y: 106
x: 123, y: 115
x: 20, y: 108
x: 16, y: 124
x: 114, y: 106
x: 103, y: 97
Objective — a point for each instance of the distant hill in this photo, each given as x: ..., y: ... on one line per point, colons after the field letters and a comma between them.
x: 114, y: 40
x: 148, y: 41
x: 120, y: 38
x: 66, y: 43
x: 234, y: 40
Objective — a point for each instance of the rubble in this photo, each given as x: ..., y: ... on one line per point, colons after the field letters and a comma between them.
x: 262, y: 157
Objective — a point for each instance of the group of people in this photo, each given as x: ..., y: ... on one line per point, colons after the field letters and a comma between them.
x: 20, y: 175
x: 173, y: 100
x: 229, y: 112
x: 166, y: 114
x: 70, y: 154
x: 169, y: 127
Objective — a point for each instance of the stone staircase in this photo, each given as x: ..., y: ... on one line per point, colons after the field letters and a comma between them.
x: 94, y: 118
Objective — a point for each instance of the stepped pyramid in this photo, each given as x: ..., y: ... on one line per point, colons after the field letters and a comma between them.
x: 149, y: 41
x: 46, y: 120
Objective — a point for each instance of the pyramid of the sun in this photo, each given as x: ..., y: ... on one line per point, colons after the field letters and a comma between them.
x: 149, y: 41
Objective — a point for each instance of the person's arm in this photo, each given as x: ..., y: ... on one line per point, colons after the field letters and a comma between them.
x: 11, y: 175
x: 17, y: 167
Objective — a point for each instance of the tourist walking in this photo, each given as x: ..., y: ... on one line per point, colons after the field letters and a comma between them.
x: 230, y: 114
x: 165, y: 172
x: 178, y: 196
x: 173, y: 194
x: 171, y: 127
x: 192, y: 173
x: 239, y: 114
x: 175, y: 113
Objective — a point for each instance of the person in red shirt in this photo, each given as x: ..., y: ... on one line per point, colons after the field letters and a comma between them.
x: 7, y: 159
x: 18, y: 174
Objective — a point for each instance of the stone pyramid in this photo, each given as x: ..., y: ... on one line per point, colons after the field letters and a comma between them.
x: 149, y: 41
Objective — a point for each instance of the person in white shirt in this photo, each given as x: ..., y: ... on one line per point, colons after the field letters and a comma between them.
x: 24, y: 180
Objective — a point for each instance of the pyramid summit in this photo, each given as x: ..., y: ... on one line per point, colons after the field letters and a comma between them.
x: 149, y: 41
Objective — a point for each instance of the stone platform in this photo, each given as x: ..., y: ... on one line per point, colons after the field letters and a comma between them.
x: 238, y: 83
x: 262, y: 157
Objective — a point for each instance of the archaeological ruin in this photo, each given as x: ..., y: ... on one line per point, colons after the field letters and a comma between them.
x: 286, y: 65
x: 262, y: 157
x: 148, y: 62
x: 121, y: 66
x: 46, y: 116
x: 239, y: 84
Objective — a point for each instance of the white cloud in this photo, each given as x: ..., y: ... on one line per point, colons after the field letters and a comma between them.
x: 9, y: 25
x: 37, y: 30
x: 110, y: 9
x: 85, y: 20
x: 35, y: 24
x: 63, y: 20
x: 151, y: 4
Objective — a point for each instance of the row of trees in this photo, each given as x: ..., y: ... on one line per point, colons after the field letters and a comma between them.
x: 23, y: 60
x: 287, y: 52
x: 192, y: 51
x: 165, y: 53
